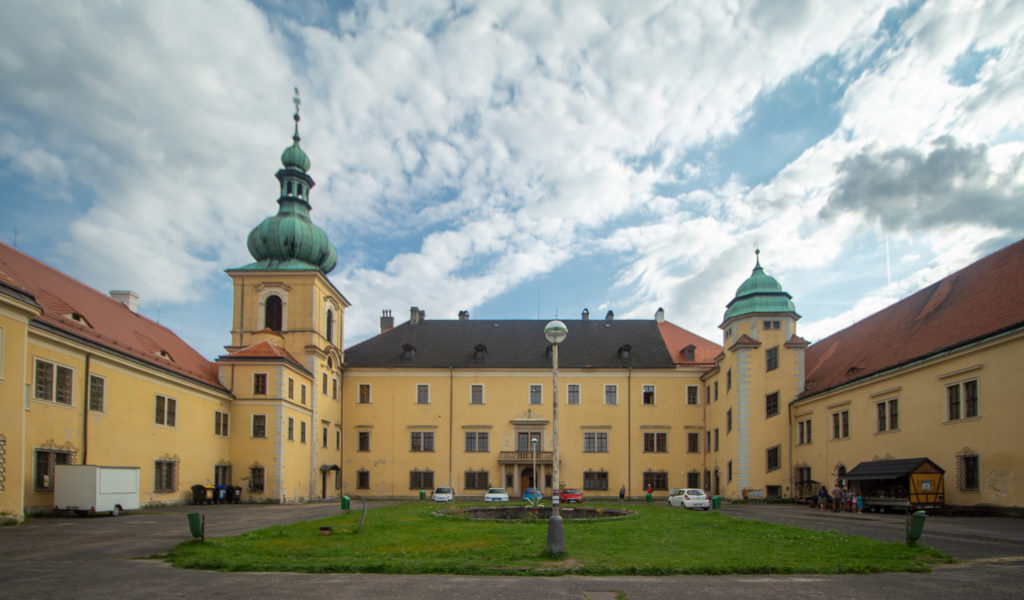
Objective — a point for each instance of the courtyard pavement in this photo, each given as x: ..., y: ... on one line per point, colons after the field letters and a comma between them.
x: 104, y: 557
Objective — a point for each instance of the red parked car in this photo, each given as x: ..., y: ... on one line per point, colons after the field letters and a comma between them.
x: 571, y: 496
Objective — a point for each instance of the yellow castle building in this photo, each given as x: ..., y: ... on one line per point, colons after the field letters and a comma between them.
x: 914, y: 405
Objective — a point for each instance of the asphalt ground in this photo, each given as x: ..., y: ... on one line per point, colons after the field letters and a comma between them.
x: 104, y: 557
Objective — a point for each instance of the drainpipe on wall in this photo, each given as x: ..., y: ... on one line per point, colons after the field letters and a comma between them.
x: 85, y: 411
x: 341, y: 425
x: 451, y: 421
x: 629, y: 434
x: 789, y: 450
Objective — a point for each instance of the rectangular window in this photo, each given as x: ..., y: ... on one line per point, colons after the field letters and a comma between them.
x: 166, y: 411
x: 962, y: 400
x: 611, y: 394
x: 364, y: 441
x: 595, y: 441
x: 771, y: 358
x: 421, y: 441
x: 656, y: 480
x: 259, y: 384
x: 334, y: 388
x: 362, y: 480
x: 803, y: 476
x: 337, y: 440
x: 477, y: 441
x: 323, y: 441
x: 220, y: 423
x: 728, y: 471
x: 222, y: 474
x: 476, y: 393
x: 771, y: 405
x: 968, y: 472
x: 364, y: 393
x: 716, y: 391
x: 693, y: 480
x: 535, y: 393
x: 692, y: 442
x: 648, y: 395
x: 728, y: 420
x: 804, y: 432
x: 841, y: 425
x: 291, y: 388
x: 716, y: 439
x: 421, y: 480
x: 888, y: 415
x: 165, y: 477
x: 655, y: 442
x: 707, y: 441
x: 525, y: 441
x: 728, y: 380
x: 291, y: 429
x: 324, y: 390
x: 477, y: 480
x: 572, y: 395
x: 423, y: 394
x: 58, y: 388
x: 97, y: 389
x: 256, y: 479
x: 595, y: 480
x: 302, y: 393
x: 691, y: 395
x: 302, y: 432
x: 45, y: 467
x: 259, y: 426
x: 772, y: 460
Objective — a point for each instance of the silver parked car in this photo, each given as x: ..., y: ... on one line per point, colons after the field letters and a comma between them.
x: 496, y: 495
x: 689, y: 498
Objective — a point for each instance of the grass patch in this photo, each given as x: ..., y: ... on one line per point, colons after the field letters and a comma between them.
x: 658, y: 540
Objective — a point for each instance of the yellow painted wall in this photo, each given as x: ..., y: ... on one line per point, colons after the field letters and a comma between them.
x: 14, y: 317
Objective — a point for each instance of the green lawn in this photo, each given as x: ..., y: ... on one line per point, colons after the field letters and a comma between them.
x: 658, y: 540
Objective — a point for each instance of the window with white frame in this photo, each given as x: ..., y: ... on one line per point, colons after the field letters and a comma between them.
x: 962, y: 400
x: 841, y: 425
x: 302, y: 393
x: 771, y: 405
x: 536, y: 393
x: 772, y: 458
x: 166, y: 411
x: 888, y: 415
x: 771, y: 358
x: 655, y: 442
x: 54, y: 382
x: 165, y: 476
x: 476, y: 393
x: 291, y: 388
x: 97, y: 393
x: 421, y: 441
x: 477, y: 441
x: 259, y: 426
x: 611, y: 394
x: 302, y: 432
x: 220, y: 423
x: 648, y: 395
x: 595, y: 441
x: 291, y: 429
x: 364, y: 393
x: 423, y: 394
x: 572, y: 393
x: 691, y: 395
x: 259, y: 384
x: 803, y: 431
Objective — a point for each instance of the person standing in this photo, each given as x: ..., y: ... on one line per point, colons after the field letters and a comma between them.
x: 837, y: 498
x: 622, y: 493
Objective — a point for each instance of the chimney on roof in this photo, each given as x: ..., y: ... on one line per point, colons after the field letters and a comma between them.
x: 659, y: 315
x: 610, y: 316
x: 128, y: 298
x: 416, y: 315
x: 463, y: 315
x: 386, y: 321
x: 586, y: 314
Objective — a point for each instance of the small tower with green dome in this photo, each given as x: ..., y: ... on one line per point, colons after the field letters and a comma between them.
x: 759, y: 372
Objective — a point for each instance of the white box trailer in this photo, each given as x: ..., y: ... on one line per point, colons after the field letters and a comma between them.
x: 92, y: 488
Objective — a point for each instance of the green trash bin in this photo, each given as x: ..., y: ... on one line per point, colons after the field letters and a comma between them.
x: 346, y: 502
x: 197, y: 525
x: 423, y: 495
x: 915, y: 526
x: 716, y: 502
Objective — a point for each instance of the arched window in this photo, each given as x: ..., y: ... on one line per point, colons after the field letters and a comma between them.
x: 330, y: 326
x: 272, y: 313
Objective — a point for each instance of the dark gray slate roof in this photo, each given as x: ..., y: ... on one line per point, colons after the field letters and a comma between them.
x: 890, y: 469
x: 513, y: 344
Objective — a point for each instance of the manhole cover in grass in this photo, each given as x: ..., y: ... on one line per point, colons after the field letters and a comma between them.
x: 516, y: 513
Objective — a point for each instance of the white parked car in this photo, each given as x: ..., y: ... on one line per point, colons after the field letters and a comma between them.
x: 496, y: 495
x: 690, y: 498
x: 444, y: 494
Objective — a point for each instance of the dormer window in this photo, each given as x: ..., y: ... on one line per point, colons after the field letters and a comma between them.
x: 164, y: 354
x: 408, y: 351
x: 480, y: 352
x: 625, y: 351
x: 78, y: 318
x: 689, y: 353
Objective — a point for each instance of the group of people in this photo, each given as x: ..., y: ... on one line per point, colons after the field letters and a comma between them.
x: 842, y: 498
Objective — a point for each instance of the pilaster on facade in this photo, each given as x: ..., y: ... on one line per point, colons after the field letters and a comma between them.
x: 743, y: 419
x: 277, y: 465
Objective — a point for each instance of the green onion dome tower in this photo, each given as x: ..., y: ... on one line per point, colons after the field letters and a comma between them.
x: 289, y: 240
x: 759, y: 294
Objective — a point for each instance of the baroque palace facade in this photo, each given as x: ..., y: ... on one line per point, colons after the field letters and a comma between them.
x: 288, y: 415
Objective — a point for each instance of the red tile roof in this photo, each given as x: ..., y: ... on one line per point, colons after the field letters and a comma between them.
x: 978, y: 301
x: 677, y: 339
x: 262, y: 351
x: 107, y: 322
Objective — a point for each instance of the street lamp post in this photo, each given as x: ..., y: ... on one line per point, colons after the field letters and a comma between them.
x: 533, y: 479
x: 555, y: 333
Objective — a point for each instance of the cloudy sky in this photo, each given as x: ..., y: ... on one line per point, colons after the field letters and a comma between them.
x: 517, y: 158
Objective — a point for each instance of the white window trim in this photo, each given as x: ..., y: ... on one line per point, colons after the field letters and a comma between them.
x: 228, y: 428
x: 613, y: 386
x: 417, y: 398
x: 88, y: 398
x: 167, y: 401
x: 696, y: 396
x: 579, y: 394
x: 529, y: 396
x: 369, y: 394
x: 483, y: 395
x: 643, y: 390
x: 252, y: 426
x: 265, y: 291
x: 53, y: 386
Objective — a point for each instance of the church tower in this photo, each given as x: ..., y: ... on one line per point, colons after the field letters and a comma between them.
x: 284, y: 361
x: 760, y: 371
